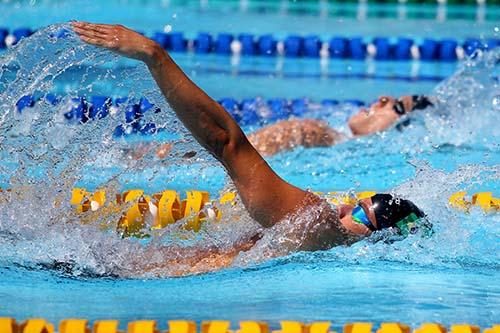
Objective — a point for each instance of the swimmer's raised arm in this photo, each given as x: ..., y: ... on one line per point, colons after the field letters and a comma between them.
x: 266, y: 196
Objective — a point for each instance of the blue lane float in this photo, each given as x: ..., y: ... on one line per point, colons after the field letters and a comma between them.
x: 402, y: 49
x: 223, y: 43
x: 357, y: 48
x: 21, y: 33
x: 338, y: 47
x: 162, y: 38
x: 294, y: 46
x: 25, y: 102
x: 383, y: 48
x: 267, y: 45
x: 177, y: 42
x: 447, y: 50
x: 99, y: 107
x: 249, y: 111
x: 248, y: 46
x: 203, y: 43
x: 3, y: 35
x: 312, y: 46
x: 428, y: 50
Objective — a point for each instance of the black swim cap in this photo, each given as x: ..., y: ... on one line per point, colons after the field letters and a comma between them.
x: 421, y: 102
x: 389, y: 210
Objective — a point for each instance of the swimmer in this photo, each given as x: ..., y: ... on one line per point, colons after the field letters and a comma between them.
x: 305, y: 221
x: 288, y: 134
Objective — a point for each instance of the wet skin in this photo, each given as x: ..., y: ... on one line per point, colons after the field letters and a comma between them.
x: 267, y: 197
x: 289, y: 134
x: 378, y: 117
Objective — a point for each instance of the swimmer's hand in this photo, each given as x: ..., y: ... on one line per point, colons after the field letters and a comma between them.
x: 118, y: 39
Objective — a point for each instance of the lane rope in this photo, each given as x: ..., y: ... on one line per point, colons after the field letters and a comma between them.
x: 311, y: 46
x: 196, y: 207
x: 249, y: 111
x: 10, y: 325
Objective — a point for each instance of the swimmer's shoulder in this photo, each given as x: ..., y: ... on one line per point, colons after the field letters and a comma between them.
x: 324, y: 229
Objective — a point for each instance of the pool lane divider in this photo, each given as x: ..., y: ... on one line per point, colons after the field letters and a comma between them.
x: 249, y: 111
x: 167, y: 207
x: 10, y: 325
x: 310, y: 46
x: 313, y: 46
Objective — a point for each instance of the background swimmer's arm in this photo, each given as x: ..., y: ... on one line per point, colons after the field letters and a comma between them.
x: 289, y: 134
x: 266, y: 196
x: 380, y: 121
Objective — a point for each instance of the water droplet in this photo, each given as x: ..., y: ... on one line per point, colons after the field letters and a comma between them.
x: 496, y: 103
x: 167, y: 28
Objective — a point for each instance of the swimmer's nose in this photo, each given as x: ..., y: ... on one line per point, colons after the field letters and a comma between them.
x: 344, y: 210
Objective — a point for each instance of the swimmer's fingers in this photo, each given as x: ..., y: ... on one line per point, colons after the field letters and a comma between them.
x: 96, y: 30
x: 97, y: 41
x: 90, y: 33
x: 93, y: 26
x: 117, y: 38
x: 93, y: 41
x: 97, y: 38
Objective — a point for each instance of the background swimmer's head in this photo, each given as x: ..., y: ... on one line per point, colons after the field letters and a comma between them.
x: 385, y: 112
x: 383, y: 211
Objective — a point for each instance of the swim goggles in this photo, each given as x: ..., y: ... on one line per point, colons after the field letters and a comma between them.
x: 399, y: 107
x: 418, y: 102
x: 409, y: 225
x: 359, y: 216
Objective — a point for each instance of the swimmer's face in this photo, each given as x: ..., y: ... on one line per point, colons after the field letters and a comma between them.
x: 345, y: 215
x: 378, y: 117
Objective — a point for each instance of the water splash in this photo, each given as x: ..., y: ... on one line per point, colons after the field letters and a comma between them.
x: 466, y: 99
x: 44, y: 157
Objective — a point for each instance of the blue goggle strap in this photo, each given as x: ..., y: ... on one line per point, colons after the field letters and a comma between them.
x: 359, y: 215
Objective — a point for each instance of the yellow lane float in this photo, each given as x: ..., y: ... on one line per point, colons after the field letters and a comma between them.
x: 9, y: 325
x: 485, y: 200
x: 167, y: 207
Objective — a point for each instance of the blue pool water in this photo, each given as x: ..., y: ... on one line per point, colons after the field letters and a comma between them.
x: 448, y: 278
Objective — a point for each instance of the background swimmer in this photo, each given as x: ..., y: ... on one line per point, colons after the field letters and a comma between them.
x: 289, y: 134
x: 310, y: 223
